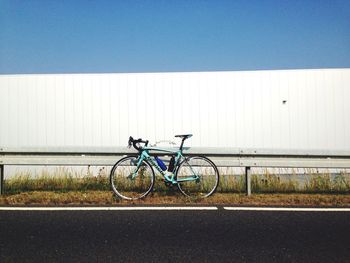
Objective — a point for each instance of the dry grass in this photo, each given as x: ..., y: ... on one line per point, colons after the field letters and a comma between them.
x: 68, y: 187
x: 101, y: 198
x: 63, y: 179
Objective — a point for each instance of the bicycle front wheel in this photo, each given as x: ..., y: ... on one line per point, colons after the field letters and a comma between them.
x: 129, y: 181
x: 205, y: 177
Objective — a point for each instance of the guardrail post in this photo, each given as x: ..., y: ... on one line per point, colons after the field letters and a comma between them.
x: 248, y: 181
x: 1, y: 179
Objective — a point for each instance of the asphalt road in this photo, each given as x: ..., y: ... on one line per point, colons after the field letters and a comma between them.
x: 174, y: 236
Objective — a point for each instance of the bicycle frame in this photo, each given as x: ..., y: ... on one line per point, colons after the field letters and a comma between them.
x: 145, y: 155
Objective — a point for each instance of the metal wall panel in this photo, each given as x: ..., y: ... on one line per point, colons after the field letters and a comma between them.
x: 222, y: 109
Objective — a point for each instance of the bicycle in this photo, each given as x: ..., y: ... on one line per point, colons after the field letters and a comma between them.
x: 133, y: 177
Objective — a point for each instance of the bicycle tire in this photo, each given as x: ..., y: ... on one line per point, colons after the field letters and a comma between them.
x: 208, y: 174
x: 131, y: 188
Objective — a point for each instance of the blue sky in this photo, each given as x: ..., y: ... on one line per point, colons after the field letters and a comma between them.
x: 150, y: 36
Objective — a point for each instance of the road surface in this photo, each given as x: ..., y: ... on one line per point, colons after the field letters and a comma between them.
x: 174, y: 236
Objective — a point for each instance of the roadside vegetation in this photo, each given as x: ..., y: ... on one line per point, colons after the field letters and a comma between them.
x: 285, y: 181
x: 66, y: 186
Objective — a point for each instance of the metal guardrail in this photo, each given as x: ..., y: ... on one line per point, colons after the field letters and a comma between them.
x: 222, y: 157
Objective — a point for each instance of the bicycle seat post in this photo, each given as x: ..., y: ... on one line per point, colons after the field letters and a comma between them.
x: 182, y: 143
x: 184, y: 137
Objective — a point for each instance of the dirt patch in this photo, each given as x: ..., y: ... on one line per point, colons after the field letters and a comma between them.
x: 102, y: 198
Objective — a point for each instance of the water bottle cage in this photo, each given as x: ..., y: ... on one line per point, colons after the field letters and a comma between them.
x: 171, y: 164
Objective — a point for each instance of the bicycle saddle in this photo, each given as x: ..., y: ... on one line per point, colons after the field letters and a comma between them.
x: 184, y: 136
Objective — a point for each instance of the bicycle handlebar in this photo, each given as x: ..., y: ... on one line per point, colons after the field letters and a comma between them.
x: 135, y: 143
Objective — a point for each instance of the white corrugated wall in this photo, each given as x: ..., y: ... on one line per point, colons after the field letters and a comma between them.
x: 233, y: 109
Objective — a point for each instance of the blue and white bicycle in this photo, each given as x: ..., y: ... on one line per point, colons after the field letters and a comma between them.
x: 133, y: 177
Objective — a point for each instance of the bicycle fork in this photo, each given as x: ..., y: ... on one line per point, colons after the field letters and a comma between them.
x: 138, y: 163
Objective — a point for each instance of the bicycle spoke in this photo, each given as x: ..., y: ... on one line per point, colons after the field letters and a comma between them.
x: 129, y: 181
x: 206, y: 177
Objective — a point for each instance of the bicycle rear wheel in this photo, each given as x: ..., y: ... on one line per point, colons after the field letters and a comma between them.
x: 129, y: 183
x: 205, y: 170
